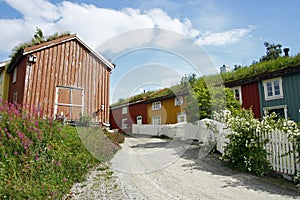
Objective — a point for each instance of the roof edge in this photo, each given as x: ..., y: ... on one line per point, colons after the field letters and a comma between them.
x: 41, y: 46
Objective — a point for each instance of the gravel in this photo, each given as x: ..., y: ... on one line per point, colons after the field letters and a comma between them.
x: 177, y: 174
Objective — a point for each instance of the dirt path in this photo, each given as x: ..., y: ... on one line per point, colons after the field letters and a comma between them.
x: 151, y: 168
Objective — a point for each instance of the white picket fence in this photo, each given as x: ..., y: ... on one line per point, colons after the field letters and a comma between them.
x: 280, y: 149
x: 281, y: 152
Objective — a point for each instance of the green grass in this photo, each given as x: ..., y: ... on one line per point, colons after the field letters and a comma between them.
x: 40, y: 159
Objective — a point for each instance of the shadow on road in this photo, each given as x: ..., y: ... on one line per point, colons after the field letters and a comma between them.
x: 212, y: 164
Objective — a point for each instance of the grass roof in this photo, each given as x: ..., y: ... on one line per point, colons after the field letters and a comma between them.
x: 261, y: 68
x: 19, y: 49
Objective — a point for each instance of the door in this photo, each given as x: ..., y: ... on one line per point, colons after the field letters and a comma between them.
x: 139, y: 120
x: 69, y: 102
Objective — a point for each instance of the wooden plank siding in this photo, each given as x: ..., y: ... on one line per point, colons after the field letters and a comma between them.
x: 168, y: 111
x: 135, y: 109
x: 290, y: 99
x: 250, y: 98
x: 66, y: 63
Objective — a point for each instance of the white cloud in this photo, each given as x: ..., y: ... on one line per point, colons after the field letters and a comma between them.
x: 223, y: 38
x: 96, y: 25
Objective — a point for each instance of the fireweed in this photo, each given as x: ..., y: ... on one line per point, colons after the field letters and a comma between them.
x: 39, y: 158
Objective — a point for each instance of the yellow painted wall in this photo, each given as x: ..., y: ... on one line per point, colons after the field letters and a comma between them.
x: 4, y: 85
x: 168, y: 111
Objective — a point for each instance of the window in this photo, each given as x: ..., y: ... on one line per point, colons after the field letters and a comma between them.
x: 15, y: 75
x: 273, y: 88
x: 237, y: 92
x: 124, y: 110
x: 281, y: 110
x: 124, y: 123
x: 1, y: 76
x: 181, y: 117
x: 15, y: 97
x: 69, y: 102
x: 156, y: 120
x: 156, y: 105
x: 178, y: 101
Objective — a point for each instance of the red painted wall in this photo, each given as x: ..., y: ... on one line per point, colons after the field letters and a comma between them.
x: 250, y: 97
x: 134, y: 110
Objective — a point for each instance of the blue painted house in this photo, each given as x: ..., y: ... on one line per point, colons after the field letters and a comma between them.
x: 280, y: 93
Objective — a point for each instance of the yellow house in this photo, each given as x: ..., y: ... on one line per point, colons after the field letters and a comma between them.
x: 167, y: 109
x: 4, y: 81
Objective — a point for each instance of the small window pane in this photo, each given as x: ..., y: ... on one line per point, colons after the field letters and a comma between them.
x: 156, y: 105
x: 237, y: 94
x: 276, y: 87
x: 269, y: 89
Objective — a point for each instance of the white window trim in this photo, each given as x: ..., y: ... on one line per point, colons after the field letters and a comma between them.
x: 179, y: 115
x: 239, y: 88
x: 125, y: 110
x: 266, y: 91
x: 56, y: 103
x: 154, y: 120
x: 266, y: 109
x: 154, y: 105
x: 124, y: 124
x: 15, y: 75
x: 178, y: 100
x: 2, y: 76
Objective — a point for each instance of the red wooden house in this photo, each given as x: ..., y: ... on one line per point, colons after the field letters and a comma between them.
x: 62, y: 77
x: 247, y: 92
x: 122, y: 117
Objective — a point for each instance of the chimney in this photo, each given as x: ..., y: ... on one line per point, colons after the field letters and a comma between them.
x: 286, y: 52
x: 224, y: 69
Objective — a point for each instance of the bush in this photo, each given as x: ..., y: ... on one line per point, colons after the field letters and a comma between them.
x: 40, y: 158
x: 245, y: 151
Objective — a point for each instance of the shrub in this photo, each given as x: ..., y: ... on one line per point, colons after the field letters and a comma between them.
x: 245, y: 150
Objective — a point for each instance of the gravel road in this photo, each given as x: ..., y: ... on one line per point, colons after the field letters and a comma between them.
x: 174, y: 171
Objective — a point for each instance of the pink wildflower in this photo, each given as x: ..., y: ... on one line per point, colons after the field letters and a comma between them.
x: 58, y: 163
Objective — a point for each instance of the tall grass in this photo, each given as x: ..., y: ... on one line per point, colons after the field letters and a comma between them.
x: 39, y: 158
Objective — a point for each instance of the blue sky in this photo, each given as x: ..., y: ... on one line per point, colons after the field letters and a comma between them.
x: 229, y: 32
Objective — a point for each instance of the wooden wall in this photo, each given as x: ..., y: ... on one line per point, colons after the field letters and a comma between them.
x: 67, y: 64
x: 168, y: 111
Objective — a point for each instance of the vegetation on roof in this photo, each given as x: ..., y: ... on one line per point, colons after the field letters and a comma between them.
x: 38, y: 38
x: 261, y: 68
x: 271, y: 62
x: 132, y: 99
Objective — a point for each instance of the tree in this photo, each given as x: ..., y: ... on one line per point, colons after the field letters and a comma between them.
x: 273, y: 52
x: 207, y: 96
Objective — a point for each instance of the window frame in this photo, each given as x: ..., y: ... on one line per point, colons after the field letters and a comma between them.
x: 155, y: 119
x: 124, y: 110
x: 15, y: 74
x: 284, y: 107
x: 156, y: 105
x: 124, y: 123
x: 266, y: 91
x: 178, y: 102
x: 239, y: 89
x: 179, y: 117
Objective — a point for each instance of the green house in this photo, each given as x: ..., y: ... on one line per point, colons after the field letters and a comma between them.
x: 280, y: 93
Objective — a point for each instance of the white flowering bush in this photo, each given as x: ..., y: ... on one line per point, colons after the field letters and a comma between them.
x: 245, y: 149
